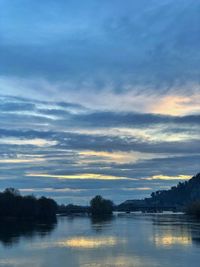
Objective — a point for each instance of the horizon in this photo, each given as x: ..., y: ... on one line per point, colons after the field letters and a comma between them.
x: 87, y: 203
x: 99, y: 98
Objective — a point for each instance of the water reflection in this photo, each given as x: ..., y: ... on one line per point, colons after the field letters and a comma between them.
x: 100, y: 223
x: 89, y: 243
x: 169, y: 240
x: 127, y: 240
x: 169, y: 231
x: 80, y: 242
x: 118, y: 261
x: 12, y: 231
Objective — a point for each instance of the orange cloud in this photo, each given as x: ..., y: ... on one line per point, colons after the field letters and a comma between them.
x: 177, y: 105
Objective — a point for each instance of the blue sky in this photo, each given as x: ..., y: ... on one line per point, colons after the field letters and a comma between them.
x: 99, y: 97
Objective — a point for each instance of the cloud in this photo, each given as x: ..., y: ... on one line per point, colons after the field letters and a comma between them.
x: 114, y: 119
x: 100, y: 38
x: 21, y: 161
x: 80, y: 176
x: 165, y: 177
x: 104, y: 97
x: 33, y: 142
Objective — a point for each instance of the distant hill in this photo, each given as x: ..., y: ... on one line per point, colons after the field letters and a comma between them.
x: 179, y: 197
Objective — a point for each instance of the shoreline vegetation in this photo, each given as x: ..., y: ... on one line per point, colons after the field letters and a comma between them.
x: 184, y: 197
x: 15, y: 206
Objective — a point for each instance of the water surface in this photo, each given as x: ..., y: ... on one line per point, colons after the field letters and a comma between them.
x: 125, y: 240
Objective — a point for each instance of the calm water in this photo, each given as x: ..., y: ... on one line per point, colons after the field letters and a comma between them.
x: 127, y: 240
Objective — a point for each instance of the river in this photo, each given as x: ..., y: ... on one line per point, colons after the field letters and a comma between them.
x: 125, y: 240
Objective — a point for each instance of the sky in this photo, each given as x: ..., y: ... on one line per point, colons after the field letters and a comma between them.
x: 99, y: 97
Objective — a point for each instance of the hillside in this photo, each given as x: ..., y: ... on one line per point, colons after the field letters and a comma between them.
x: 179, y: 196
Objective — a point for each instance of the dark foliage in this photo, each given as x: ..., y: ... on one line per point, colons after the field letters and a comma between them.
x: 175, y: 199
x: 181, y: 195
x: 13, y: 205
x: 100, y: 206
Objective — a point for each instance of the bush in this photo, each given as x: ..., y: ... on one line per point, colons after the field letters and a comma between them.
x: 100, y: 206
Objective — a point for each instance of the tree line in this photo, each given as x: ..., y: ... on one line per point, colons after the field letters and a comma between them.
x: 185, y: 196
x: 181, y: 195
x: 99, y: 207
x: 14, y: 205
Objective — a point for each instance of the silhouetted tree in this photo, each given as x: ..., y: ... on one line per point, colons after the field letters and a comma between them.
x: 46, y: 208
x: 177, y: 197
x: 100, y: 206
x: 12, y: 204
x: 12, y: 191
x: 181, y: 195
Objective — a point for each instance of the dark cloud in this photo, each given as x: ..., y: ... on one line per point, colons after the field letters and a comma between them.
x: 98, y: 142
x: 74, y: 115
x: 144, y: 42
x: 115, y: 119
x: 10, y: 106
